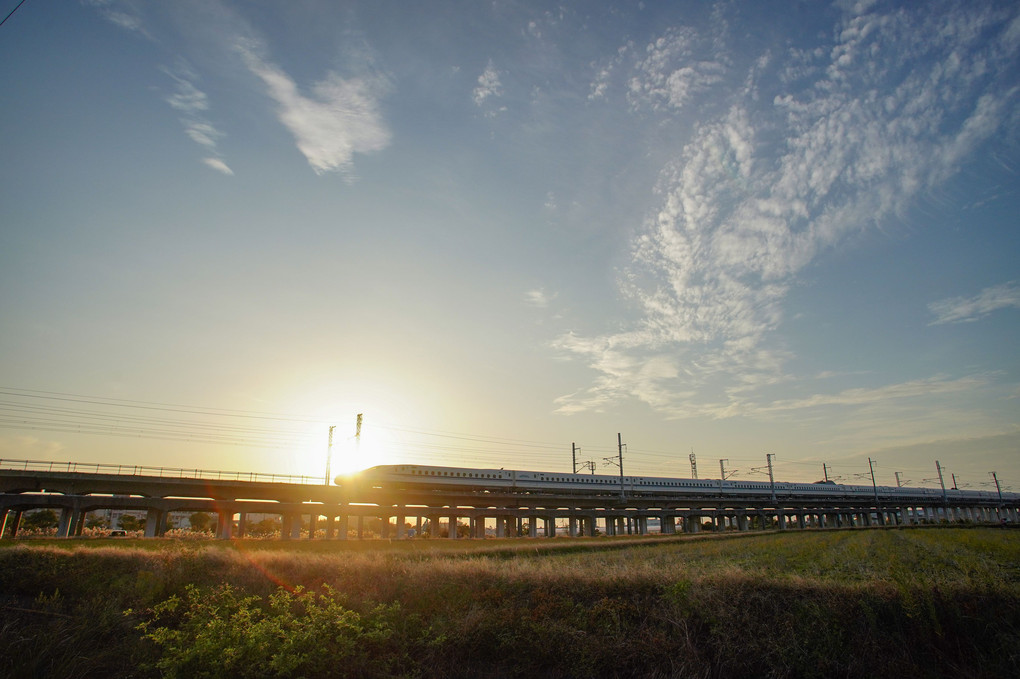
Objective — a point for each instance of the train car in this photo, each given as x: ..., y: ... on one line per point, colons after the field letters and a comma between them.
x: 428, y: 477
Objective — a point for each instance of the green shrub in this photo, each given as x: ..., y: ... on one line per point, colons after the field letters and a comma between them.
x: 223, y: 632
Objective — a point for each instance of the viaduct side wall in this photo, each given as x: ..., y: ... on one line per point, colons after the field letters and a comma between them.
x: 306, y: 510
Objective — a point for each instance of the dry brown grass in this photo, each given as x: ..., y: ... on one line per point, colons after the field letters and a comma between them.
x: 934, y: 602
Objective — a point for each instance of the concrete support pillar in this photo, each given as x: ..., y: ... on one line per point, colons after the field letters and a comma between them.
x: 67, y: 517
x: 14, y: 522
x: 313, y: 524
x: 694, y: 524
x: 330, y: 530
x: 532, y: 527
x: 285, y: 526
x: 154, y: 523
x: 781, y: 520
x: 500, y: 526
x: 452, y: 527
x: 572, y: 526
x: 242, y: 520
x: 401, y: 528
x: 417, y: 526
x: 224, y: 524
x: 78, y: 524
x: 343, y: 524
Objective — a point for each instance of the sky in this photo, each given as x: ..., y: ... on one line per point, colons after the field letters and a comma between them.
x: 503, y: 230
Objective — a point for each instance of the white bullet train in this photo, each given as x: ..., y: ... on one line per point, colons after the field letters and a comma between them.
x: 430, y: 478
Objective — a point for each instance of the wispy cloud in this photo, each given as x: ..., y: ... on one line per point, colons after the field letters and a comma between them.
x: 489, y: 88
x: 218, y: 165
x: 338, y: 118
x: 969, y: 309
x: 127, y: 15
x: 538, y: 298
x: 331, y: 120
x: 862, y: 126
x: 671, y: 72
x: 877, y: 395
x: 192, y: 103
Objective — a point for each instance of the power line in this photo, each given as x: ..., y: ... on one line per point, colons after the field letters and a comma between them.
x: 12, y: 12
x: 149, y: 405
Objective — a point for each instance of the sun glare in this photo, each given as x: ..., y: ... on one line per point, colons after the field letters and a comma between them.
x: 373, y: 447
x: 384, y: 407
x: 349, y: 452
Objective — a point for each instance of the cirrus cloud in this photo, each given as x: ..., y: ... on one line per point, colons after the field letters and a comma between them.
x: 338, y: 118
x: 810, y: 149
x: 969, y: 309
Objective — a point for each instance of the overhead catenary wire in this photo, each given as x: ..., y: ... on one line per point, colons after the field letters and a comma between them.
x: 11, y: 13
x: 63, y: 412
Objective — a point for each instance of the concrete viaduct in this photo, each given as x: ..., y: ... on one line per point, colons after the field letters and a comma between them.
x: 308, y: 508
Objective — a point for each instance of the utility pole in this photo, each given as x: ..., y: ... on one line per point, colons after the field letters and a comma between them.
x: 825, y: 472
x: 772, y: 479
x: 329, y: 453
x: 899, y: 484
x: 722, y: 473
x: 619, y: 442
x: 694, y: 465
x: 942, y: 482
x: 871, y: 466
x: 955, y: 485
x: 997, y: 486
x: 573, y: 455
x: 618, y: 462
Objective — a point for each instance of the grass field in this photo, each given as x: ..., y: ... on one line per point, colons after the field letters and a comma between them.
x: 852, y: 603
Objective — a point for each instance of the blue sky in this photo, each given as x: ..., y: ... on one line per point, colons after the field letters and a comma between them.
x: 498, y: 229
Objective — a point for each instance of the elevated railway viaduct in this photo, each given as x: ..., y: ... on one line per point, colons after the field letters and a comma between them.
x: 309, y: 508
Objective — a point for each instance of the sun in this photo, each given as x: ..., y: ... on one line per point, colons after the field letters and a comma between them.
x: 374, y: 446
x: 348, y: 454
x: 386, y: 408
